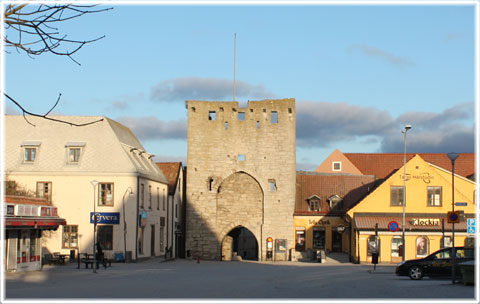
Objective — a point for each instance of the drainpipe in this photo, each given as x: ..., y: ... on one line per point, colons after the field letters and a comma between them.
x: 136, y: 226
x: 167, y: 221
x: 173, y: 224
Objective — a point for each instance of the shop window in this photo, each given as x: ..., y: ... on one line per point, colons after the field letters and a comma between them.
x: 105, y: 236
x: 446, y: 242
x: 434, y: 196
x: 44, y: 190
x: 105, y: 194
x: 140, y: 239
x: 470, y: 242
x: 30, y: 154
x: 336, y: 166
x: 70, y: 236
x: 34, y: 245
x: 300, y: 240
x: 397, y: 247
x: 318, y: 238
x: 373, y: 245
x: 396, y: 196
x: 422, y: 246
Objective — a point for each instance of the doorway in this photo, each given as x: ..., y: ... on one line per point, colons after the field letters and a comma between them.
x: 240, y: 242
x: 336, y: 241
x: 152, y: 241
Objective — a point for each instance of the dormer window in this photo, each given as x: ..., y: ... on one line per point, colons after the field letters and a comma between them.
x: 30, y: 151
x: 74, y: 152
x: 334, y: 202
x: 314, y: 203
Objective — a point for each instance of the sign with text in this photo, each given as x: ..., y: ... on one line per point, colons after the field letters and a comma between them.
x: 106, y: 218
x: 471, y: 227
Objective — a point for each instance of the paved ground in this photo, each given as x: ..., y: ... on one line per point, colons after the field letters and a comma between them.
x: 184, y: 279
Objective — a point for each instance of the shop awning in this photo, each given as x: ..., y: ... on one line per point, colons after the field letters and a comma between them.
x: 413, y: 222
x: 34, y: 223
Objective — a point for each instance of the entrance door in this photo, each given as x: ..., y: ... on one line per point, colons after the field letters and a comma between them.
x: 241, y: 242
x: 152, y: 242
x: 318, y: 238
x: 336, y: 241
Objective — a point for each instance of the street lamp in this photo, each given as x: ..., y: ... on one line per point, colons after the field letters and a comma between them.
x: 125, y: 224
x: 407, y: 127
x: 453, y: 156
x: 94, y: 184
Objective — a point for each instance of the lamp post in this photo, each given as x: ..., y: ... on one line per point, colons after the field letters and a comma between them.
x: 94, y: 184
x: 125, y: 224
x: 407, y: 127
x: 453, y: 156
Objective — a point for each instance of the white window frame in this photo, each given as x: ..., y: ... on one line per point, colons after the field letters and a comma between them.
x: 74, y: 146
x: 335, y: 163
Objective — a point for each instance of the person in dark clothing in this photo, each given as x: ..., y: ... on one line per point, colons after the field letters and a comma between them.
x: 100, y: 257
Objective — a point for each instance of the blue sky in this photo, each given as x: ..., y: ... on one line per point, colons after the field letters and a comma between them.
x: 358, y: 73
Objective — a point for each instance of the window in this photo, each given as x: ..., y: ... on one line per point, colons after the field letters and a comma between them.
x: 258, y: 124
x: 176, y: 211
x: 74, y: 155
x: 446, y: 242
x: 422, y: 246
x: 162, y: 239
x: 274, y: 117
x: 105, y: 194
x: 105, y: 236
x: 273, y: 185
x: 44, y: 190
x: 241, y: 115
x: 470, y: 242
x: 318, y: 238
x: 163, y: 200
x: 140, y: 239
x: 150, y: 196
x: 434, y: 196
x: 212, y: 115
x: 396, y: 196
x: 397, y: 247
x: 241, y: 157
x: 158, y: 198
x: 30, y: 154
x: 226, y: 125
x: 335, y: 202
x: 314, y: 204
x: 142, y: 195
x: 70, y: 236
x: 336, y: 166
x: 210, y: 184
x: 445, y: 254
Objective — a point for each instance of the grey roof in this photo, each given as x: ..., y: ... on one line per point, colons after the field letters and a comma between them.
x: 107, y: 147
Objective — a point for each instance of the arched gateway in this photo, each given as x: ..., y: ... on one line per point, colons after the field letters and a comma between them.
x: 239, y: 205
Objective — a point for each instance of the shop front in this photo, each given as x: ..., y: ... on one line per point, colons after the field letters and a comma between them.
x: 25, y: 220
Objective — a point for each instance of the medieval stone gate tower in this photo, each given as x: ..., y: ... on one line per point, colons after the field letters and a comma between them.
x: 240, y: 173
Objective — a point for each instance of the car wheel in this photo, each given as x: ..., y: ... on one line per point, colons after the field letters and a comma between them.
x: 415, y: 273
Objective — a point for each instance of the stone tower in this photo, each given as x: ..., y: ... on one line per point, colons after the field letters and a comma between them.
x: 240, y: 175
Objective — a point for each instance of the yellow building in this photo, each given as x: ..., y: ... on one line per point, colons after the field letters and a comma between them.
x: 428, y: 199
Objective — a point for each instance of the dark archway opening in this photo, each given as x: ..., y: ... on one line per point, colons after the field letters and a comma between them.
x: 243, y: 243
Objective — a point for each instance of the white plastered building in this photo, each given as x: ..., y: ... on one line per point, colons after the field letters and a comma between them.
x: 59, y: 162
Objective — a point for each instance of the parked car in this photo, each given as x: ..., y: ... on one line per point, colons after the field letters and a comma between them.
x: 438, y: 263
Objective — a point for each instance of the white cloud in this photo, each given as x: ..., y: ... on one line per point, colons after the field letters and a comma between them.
x: 375, y: 52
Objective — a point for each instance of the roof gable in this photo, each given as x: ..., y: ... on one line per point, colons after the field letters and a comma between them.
x: 346, y: 166
x: 171, y: 170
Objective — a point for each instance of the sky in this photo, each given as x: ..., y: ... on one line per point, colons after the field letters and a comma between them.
x: 358, y: 73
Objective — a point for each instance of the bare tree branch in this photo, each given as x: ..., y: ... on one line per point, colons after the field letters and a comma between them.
x: 29, y: 28
x: 25, y: 112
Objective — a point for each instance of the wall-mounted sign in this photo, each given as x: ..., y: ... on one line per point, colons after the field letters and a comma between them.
x: 319, y: 222
x: 426, y: 177
x: 393, y: 226
x: 425, y: 222
x: 106, y: 217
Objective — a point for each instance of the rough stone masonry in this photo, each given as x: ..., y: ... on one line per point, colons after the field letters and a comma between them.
x: 240, y: 173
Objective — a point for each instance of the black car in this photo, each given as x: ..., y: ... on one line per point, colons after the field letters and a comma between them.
x: 438, y: 263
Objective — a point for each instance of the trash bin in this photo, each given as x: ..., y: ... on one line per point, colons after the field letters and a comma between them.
x: 118, y: 257
x: 72, y: 254
x: 128, y: 257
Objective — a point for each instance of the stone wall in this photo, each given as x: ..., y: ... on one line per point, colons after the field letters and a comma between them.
x: 240, y: 172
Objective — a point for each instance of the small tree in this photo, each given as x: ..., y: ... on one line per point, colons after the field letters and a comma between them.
x: 14, y: 188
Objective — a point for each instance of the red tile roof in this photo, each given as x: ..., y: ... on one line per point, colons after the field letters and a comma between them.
x: 171, y: 171
x: 13, y: 199
x: 383, y: 164
x: 351, y: 188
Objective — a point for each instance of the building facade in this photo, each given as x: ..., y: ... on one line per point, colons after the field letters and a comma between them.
x: 101, y: 168
x: 240, y: 179
x: 428, y: 199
